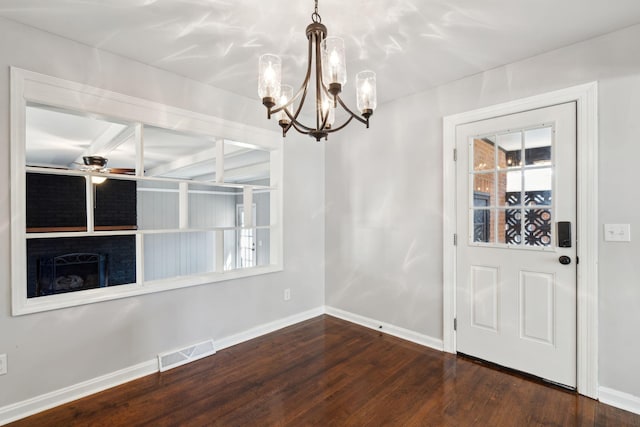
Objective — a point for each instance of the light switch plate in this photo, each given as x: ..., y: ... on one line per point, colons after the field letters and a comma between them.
x: 617, y: 232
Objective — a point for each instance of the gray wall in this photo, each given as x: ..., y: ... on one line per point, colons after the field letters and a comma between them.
x: 383, y: 216
x: 384, y: 196
x: 51, y: 350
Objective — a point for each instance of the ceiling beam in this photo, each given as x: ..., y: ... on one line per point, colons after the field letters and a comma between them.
x: 113, y: 137
x: 203, y: 156
x: 255, y: 171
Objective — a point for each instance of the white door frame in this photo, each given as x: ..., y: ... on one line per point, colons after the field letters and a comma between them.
x: 586, y: 98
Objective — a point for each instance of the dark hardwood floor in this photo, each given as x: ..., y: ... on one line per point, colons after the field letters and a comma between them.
x: 327, y: 372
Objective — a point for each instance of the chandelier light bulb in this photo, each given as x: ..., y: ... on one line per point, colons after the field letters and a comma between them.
x: 333, y: 59
x: 286, y: 94
x: 269, y: 76
x: 366, y: 92
x: 327, y: 109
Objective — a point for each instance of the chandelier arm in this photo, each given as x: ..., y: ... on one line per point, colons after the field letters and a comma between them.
x: 305, y: 131
x: 354, y: 115
x: 321, y: 116
x: 303, y: 89
x: 318, y: 84
x: 295, y: 121
x: 297, y: 124
x: 341, y: 126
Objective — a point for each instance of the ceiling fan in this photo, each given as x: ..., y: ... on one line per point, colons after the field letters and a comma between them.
x: 99, y: 164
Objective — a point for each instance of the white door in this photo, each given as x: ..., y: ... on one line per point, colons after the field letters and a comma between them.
x: 516, y: 192
x: 246, y: 247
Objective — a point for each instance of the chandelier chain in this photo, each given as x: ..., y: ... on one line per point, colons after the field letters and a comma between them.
x: 315, y: 16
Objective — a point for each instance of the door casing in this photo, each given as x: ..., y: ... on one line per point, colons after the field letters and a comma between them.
x: 586, y: 100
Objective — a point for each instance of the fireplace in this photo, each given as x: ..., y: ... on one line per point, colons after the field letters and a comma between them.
x: 71, y: 272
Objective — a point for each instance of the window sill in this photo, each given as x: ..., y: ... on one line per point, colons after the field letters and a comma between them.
x: 81, y: 228
x: 90, y: 296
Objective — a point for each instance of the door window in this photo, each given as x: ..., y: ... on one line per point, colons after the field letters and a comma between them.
x: 511, y: 188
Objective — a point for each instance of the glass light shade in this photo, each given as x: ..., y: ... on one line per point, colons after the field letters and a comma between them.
x: 269, y: 76
x: 286, y: 93
x: 334, y: 67
x: 366, y: 90
x: 332, y: 116
x: 327, y: 108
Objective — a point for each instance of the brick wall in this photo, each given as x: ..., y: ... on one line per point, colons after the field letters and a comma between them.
x: 56, y: 201
x: 60, y: 201
x: 115, y: 203
x: 484, y: 160
x: 120, y: 251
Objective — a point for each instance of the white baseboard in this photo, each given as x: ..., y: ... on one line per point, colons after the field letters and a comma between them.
x: 386, y: 328
x: 59, y: 397
x: 620, y: 400
x: 46, y: 401
x: 267, y: 328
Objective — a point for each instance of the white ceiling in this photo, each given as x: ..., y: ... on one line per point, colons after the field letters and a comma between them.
x: 413, y: 45
x: 57, y: 138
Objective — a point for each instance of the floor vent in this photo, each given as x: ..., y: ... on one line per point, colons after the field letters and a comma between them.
x: 177, y: 358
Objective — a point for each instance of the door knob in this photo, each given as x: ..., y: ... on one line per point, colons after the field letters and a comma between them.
x: 564, y: 260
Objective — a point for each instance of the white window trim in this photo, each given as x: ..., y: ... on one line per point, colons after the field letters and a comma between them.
x: 28, y: 86
x: 586, y: 98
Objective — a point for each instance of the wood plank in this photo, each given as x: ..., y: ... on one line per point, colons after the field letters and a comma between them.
x: 326, y: 371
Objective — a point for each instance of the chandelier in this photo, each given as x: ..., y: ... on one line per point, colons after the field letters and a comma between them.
x: 330, y: 76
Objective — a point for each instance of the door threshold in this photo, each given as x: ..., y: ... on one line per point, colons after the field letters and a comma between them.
x: 517, y: 373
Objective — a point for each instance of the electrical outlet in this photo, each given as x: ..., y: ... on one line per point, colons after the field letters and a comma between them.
x: 3, y: 364
x: 287, y: 294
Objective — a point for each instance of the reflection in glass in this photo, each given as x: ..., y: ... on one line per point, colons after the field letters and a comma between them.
x: 246, y: 166
x: 173, y: 154
x: 157, y: 205
x: 510, y: 149
x: 246, y: 239
x: 262, y: 201
x: 230, y: 249
x: 115, y: 206
x: 60, y: 138
x: 62, y: 265
x: 212, y: 206
x: 55, y: 203
x: 263, y: 249
x: 537, y: 144
x: 178, y: 254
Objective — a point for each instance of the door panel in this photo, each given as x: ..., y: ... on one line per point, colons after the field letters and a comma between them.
x: 516, y: 304
x: 484, y: 297
x: 536, y: 306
